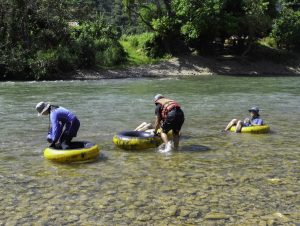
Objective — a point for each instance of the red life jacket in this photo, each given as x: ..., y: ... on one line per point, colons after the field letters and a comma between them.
x: 167, y: 106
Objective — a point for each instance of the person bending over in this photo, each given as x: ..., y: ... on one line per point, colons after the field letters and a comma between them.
x: 169, y: 116
x: 64, y: 124
x: 254, y: 120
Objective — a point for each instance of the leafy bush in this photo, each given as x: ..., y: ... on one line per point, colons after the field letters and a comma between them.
x: 286, y: 29
x: 96, y: 42
x: 65, y: 60
x: 14, y: 64
x: 46, y: 63
x: 268, y: 41
x: 112, y: 55
x: 154, y: 47
x: 134, y: 42
x: 43, y: 64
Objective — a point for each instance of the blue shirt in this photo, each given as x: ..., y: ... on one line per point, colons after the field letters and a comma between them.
x: 257, y: 121
x: 59, y: 117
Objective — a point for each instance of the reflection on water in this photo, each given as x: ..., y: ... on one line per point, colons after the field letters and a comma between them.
x: 214, y: 179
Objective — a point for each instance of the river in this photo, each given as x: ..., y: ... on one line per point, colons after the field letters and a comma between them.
x: 214, y: 179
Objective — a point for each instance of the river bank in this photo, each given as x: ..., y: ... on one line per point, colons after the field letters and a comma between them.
x: 189, y: 66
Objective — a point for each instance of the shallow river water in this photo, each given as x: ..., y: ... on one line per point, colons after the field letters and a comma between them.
x: 214, y: 179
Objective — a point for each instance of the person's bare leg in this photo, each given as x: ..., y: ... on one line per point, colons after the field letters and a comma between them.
x: 230, y: 124
x: 164, y: 137
x: 176, y: 140
x: 141, y: 126
x: 239, y: 126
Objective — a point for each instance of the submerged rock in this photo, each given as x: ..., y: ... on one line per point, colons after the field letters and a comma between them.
x: 144, y: 217
x: 130, y: 214
x: 216, y: 216
x: 276, y: 181
x: 173, y: 211
x: 281, y: 217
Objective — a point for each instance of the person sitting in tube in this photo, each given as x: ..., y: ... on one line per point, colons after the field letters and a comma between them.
x: 169, y: 116
x: 64, y: 124
x: 254, y: 120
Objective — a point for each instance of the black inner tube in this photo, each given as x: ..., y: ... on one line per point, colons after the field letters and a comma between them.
x: 134, y: 134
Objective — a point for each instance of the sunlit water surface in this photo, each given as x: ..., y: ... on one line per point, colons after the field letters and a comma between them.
x: 214, y: 179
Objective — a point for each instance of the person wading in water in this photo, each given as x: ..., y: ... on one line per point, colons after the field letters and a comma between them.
x: 64, y: 124
x: 169, y: 116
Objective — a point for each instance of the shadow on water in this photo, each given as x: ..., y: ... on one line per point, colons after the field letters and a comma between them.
x: 195, y: 148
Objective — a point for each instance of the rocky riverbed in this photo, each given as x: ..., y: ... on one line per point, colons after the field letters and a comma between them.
x: 192, y: 66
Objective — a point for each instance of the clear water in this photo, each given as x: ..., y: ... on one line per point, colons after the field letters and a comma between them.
x: 215, y: 179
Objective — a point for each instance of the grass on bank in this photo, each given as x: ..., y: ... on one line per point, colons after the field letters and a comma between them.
x: 134, y: 47
x: 266, y: 49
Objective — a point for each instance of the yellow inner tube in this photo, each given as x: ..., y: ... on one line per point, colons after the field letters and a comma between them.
x: 136, y: 140
x: 87, y: 153
x: 253, y: 129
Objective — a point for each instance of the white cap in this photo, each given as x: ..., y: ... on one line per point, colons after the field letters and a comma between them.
x: 42, y: 107
x: 157, y: 97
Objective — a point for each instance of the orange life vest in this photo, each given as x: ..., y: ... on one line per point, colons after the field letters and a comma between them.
x: 167, y: 106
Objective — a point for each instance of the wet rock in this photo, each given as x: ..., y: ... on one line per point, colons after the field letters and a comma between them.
x: 290, y: 193
x: 216, y: 216
x: 275, y: 181
x: 185, y: 213
x: 274, y: 218
x: 139, y: 204
x: 194, y: 214
x: 130, y: 214
x: 11, y: 222
x: 262, y: 223
x: 144, y: 217
x: 83, y: 198
x: 181, y: 174
x: 157, y: 217
x: 83, y: 217
x: 192, y: 191
x: 111, y: 192
x: 270, y: 222
x: 118, y: 216
x: 119, y: 205
x: 173, y: 211
x: 72, y: 218
x: 281, y: 217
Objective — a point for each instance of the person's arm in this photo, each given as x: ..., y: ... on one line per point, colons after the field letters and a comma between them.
x: 56, y: 127
x: 157, y: 118
x: 157, y: 124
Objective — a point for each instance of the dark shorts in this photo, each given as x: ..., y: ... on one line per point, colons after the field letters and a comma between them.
x: 70, y: 131
x: 174, y: 121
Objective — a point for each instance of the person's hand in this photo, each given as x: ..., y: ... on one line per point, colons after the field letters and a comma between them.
x: 246, y: 120
x: 153, y: 133
x: 49, y: 138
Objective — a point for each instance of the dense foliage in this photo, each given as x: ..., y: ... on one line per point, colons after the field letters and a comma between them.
x: 286, y: 28
x: 37, y: 40
x: 40, y: 39
x: 210, y: 25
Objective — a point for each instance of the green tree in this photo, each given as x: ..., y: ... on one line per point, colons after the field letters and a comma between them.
x: 286, y: 28
x: 27, y: 27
